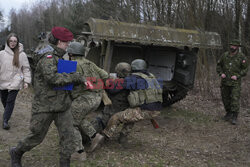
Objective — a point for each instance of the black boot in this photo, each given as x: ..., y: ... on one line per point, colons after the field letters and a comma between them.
x: 123, y: 140
x: 228, y: 116
x: 64, y: 162
x: 6, y: 126
x: 16, y: 157
x: 234, y: 119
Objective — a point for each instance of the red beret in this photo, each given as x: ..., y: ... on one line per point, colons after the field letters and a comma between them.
x: 62, y: 34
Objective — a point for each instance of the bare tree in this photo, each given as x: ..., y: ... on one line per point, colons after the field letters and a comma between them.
x: 247, y: 21
x: 238, y: 10
x: 223, y: 16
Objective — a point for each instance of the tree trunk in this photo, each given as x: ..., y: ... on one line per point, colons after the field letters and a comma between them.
x: 247, y: 22
x: 237, y: 18
x: 169, y: 11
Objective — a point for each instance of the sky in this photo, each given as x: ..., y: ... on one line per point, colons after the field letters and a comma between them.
x: 7, y: 5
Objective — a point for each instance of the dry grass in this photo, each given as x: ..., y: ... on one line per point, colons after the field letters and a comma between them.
x: 191, y: 133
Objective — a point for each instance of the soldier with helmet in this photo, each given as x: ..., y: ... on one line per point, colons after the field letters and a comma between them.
x: 144, y: 98
x: 119, y: 103
x: 85, y: 100
x: 231, y: 67
x: 49, y: 104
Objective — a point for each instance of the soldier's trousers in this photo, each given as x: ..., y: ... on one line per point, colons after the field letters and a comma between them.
x: 231, y: 97
x: 80, y: 107
x: 128, y: 116
x: 39, y: 126
x: 100, y: 122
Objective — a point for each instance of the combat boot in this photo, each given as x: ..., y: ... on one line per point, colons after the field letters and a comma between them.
x: 234, y: 118
x: 16, y: 157
x: 64, y: 162
x: 97, y: 140
x: 6, y: 126
x: 123, y: 140
x: 228, y: 116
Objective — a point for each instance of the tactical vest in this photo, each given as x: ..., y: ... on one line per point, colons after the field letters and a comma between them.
x: 145, y: 96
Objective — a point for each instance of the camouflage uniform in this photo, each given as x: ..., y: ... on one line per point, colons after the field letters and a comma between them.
x: 51, y: 105
x: 137, y: 99
x: 230, y: 89
x: 119, y: 100
x: 119, y: 103
x: 86, y: 100
x: 128, y: 116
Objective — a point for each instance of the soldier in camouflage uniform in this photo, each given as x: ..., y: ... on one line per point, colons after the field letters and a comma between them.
x: 119, y: 103
x: 49, y: 104
x: 85, y: 100
x: 231, y: 67
x: 145, y: 98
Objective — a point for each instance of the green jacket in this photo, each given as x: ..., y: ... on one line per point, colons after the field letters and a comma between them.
x: 232, y: 65
x: 89, y: 70
x: 46, y: 78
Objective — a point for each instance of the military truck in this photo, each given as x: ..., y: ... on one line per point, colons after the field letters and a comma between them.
x: 171, y: 53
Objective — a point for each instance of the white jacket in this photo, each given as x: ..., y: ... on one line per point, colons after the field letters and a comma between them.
x: 11, y: 77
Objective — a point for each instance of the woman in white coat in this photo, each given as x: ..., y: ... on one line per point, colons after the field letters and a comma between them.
x: 14, y: 75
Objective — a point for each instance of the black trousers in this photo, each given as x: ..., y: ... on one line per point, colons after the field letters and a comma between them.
x: 8, y: 98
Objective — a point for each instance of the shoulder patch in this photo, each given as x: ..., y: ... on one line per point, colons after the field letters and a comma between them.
x: 49, y: 56
x: 46, y: 49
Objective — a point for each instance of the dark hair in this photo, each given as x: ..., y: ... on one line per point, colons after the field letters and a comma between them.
x: 15, y: 61
x: 52, y: 39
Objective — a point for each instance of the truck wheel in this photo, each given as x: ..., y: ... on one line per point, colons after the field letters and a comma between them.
x: 173, y: 96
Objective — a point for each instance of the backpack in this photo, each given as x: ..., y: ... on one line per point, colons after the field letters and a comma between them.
x: 35, y: 57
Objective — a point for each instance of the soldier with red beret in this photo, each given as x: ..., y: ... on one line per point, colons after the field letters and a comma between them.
x: 49, y: 104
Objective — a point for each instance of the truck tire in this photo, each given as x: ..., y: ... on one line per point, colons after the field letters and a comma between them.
x: 172, y: 96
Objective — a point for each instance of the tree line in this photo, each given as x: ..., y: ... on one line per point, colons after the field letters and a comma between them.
x: 230, y: 18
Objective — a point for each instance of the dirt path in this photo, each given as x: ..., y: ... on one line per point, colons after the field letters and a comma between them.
x: 191, y: 133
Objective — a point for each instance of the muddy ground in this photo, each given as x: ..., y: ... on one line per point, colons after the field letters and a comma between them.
x: 191, y: 134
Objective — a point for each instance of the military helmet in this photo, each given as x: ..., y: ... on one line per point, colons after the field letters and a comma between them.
x: 235, y: 42
x: 76, y: 48
x: 138, y: 65
x: 123, y: 69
